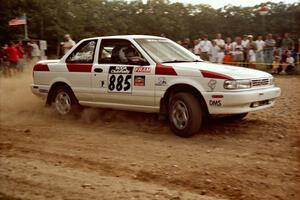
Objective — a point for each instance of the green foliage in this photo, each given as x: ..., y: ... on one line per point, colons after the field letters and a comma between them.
x: 50, y: 20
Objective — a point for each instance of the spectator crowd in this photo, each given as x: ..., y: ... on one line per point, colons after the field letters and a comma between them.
x: 278, y: 54
x: 15, y: 56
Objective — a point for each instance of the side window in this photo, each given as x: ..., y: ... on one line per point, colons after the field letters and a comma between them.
x: 120, y: 51
x: 84, y: 53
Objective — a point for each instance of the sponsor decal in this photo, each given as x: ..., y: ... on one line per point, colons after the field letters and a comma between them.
x: 142, y: 69
x: 212, y: 84
x: 161, y: 81
x: 120, y: 70
x: 217, y: 103
x: 120, y: 79
x: 139, y: 80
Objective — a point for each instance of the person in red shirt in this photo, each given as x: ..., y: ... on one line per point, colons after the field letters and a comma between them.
x: 227, y: 57
x: 12, y: 57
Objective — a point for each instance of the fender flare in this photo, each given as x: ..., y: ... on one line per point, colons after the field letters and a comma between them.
x: 182, y: 84
x: 57, y: 82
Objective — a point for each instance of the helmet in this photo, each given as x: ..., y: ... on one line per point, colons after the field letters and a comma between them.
x: 124, y: 53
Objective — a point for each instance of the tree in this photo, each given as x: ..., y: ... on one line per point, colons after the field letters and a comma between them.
x: 50, y: 20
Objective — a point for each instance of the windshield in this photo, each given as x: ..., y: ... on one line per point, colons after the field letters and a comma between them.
x: 164, y: 51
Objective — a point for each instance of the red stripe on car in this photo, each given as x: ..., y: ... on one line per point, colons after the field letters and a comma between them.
x: 165, y: 70
x: 79, y: 67
x: 208, y: 74
x: 41, y: 67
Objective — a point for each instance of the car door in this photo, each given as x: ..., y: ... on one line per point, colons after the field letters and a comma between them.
x: 116, y: 80
x: 79, y: 65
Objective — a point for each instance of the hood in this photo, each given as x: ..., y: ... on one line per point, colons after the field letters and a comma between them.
x: 228, y: 70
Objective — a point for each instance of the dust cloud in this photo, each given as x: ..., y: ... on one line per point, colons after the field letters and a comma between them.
x: 18, y: 103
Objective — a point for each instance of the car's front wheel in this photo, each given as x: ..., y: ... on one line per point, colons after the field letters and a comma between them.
x: 64, y: 101
x: 185, y: 114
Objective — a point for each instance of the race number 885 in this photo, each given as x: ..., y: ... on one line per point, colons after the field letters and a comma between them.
x: 119, y: 83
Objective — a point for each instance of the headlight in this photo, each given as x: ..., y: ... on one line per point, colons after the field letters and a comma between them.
x: 237, y: 84
x: 272, y: 81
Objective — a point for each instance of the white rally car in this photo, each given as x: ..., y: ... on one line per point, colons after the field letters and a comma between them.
x: 151, y: 74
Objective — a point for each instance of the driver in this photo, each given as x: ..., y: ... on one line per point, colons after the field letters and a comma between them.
x: 130, y: 53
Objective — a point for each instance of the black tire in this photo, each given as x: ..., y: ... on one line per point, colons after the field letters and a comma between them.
x: 236, y: 116
x: 188, y: 107
x: 63, y: 94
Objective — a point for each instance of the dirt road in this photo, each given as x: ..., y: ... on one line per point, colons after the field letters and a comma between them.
x: 125, y: 155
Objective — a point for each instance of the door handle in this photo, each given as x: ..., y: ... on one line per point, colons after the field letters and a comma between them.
x: 98, y: 70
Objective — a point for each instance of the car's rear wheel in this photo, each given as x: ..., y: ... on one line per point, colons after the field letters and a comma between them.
x: 185, y: 114
x: 64, y: 101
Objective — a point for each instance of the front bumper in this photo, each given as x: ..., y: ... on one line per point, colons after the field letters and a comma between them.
x: 234, y: 102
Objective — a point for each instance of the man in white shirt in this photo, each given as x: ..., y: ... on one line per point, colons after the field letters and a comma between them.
x: 245, y: 41
x: 260, y: 47
x: 205, y: 46
x: 196, y: 49
x: 67, y: 44
x: 238, y: 51
x: 35, y: 51
x: 221, y: 44
x: 214, y: 52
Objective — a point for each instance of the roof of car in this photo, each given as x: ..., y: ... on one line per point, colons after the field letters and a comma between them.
x: 127, y: 37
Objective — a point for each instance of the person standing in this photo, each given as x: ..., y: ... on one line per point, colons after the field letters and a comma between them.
x: 238, y: 51
x: 221, y: 44
x: 214, y: 52
x: 21, y: 53
x: 269, y: 49
x: 67, y: 44
x: 228, y: 44
x: 251, y: 43
x: 205, y: 46
x: 278, y: 50
x: 287, y: 42
x: 251, y: 52
x: 227, y: 57
x: 196, y: 49
x: 35, y: 51
x: 12, y: 57
x: 245, y: 42
x: 259, y: 51
x: 251, y: 55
